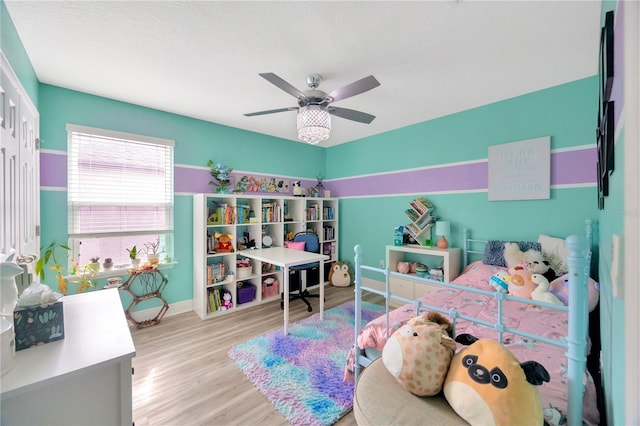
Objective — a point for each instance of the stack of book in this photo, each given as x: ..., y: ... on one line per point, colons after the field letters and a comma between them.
x: 421, y: 219
x: 328, y: 213
x: 313, y: 212
x: 215, y: 299
x: 271, y: 212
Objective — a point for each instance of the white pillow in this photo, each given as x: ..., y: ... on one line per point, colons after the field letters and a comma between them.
x: 555, y: 251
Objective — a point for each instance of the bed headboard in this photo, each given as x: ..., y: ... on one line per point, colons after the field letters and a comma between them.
x: 475, y: 247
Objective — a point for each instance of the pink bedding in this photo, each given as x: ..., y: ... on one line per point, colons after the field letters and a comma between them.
x: 541, y: 321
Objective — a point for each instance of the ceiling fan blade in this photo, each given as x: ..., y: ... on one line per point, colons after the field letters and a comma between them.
x: 351, y: 114
x: 271, y: 111
x: 354, y: 88
x: 277, y: 81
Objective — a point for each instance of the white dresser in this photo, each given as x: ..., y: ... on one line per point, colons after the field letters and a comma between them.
x: 83, y: 379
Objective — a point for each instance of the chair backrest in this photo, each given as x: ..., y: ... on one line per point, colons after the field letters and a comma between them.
x: 312, y: 242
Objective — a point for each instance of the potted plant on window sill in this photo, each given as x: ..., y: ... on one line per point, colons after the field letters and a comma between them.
x: 153, y: 251
x: 133, y: 256
x: 94, y: 264
x: 107, y: 265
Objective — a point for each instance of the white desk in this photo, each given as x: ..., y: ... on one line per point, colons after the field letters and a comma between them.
x: 83, y: 379
x: 287, y: 258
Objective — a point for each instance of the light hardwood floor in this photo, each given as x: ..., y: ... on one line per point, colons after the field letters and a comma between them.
x: 183, y: 375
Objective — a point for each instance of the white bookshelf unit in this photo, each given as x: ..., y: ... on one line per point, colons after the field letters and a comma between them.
x: 266, y: 220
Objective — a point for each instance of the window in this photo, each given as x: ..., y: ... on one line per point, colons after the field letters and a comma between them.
x: 120, y: 194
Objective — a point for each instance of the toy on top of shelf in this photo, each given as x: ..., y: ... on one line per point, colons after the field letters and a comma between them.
x: 298, y: 190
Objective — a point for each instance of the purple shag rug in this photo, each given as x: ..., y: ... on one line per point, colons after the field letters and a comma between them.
x: 301, y: 374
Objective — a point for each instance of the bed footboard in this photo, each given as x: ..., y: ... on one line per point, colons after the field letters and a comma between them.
x: 578, y: 314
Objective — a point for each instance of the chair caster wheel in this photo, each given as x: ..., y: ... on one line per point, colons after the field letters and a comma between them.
x: 309, y: 309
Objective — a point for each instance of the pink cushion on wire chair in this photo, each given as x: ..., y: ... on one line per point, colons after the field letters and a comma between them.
x: 295, y: 245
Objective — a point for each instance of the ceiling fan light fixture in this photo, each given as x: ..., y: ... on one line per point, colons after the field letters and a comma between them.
x: 314, y: 124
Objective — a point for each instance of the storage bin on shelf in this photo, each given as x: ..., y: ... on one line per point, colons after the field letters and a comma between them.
x: 270, y: 287
x: 246, y: 292
x: 244, y: 269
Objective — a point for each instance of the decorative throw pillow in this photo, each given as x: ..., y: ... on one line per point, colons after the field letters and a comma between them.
x: 295, y: 245
x: 494, y: 251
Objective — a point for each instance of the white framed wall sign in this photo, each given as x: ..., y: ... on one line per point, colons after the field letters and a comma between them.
x: 520, y: 170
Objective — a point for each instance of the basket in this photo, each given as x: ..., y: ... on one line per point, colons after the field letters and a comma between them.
x: 270, y: 287
x: 246, y: 293
x: 244, y: 272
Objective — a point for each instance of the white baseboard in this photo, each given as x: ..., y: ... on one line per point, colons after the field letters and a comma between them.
x: 174, y: 309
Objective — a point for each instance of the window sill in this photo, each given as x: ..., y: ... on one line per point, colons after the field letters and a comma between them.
x: 116, y: 272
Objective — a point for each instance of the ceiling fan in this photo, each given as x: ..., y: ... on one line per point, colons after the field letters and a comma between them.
x: 314, y: 106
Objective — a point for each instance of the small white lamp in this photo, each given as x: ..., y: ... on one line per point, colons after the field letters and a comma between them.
x: 443, y: 229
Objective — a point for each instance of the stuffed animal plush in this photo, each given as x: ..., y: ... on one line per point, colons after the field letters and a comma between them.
x: 560, y: 287
x: 223, y: 242
x: 542, y: 292
x: 520, y: 284
x: 532, y: 260
x: 487, y: 385
x: 418, y: 354
x: 226, y: 300
x: 298, y: 190
x: 340, y: 274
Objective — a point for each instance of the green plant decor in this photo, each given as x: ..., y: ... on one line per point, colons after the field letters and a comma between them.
x: 221, y: 173
x: 49, y: 258
x: 86, y: 279
x: 134, y: 253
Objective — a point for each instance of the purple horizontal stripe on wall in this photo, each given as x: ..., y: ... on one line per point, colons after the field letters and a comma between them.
x: 53, y: 170
x: 571, y: 167
x: 574, y: 167
x: 458, y: 177
x: 186, y: 179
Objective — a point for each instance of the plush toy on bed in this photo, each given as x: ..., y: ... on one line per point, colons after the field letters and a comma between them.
x: 487, y: 385
x: 418, y: 354
x: 531, y: 260
x: 340, y: 274
x: 560, y: 287
x: 520, y: 284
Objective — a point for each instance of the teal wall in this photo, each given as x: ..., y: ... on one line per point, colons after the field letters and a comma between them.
x: 611, y: 220
x: 565, y: 112
x: 196, y: 142
x: 13, y: 49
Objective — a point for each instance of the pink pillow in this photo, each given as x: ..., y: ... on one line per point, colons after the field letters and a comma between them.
x: 295, y: 245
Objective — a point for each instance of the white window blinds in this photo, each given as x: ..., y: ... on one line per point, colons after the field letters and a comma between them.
x: 118, y: 183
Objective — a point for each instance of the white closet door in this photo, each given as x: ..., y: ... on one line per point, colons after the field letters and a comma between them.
x: 19, y: 168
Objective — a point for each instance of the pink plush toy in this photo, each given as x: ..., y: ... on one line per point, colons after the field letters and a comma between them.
x: 520, y: 284
x: 226, y: 301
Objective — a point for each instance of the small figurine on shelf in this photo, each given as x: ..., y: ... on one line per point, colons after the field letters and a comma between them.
x: 226, y: 301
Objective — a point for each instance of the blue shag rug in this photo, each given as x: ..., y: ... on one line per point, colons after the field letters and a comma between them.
x: 301, y: 374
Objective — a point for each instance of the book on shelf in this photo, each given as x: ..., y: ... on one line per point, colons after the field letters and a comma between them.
x: 416, y: 232
x: 328, y: 213
x: 421, y: 205
x: 313, y: 212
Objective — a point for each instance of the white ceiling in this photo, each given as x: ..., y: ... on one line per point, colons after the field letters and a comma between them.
x: 202, y: 58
